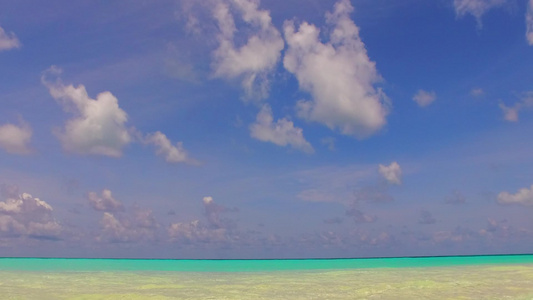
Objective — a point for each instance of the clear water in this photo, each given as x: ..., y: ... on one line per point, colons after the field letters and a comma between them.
x: 482, y: 277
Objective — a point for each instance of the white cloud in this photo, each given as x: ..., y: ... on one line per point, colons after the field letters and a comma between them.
x: 476, y: 8
x: 392, y: 173
x: 172, y: 153
x: 529, y: 22
x: 24, y: 215
x: 477, y: 92
x: 524, y: 197
x: 213, y: 210
x: 216, y: 230
x: 105, y: 202
x: 15, y: 139
x: 253, y: 61
x: 8, y: 40
x: 141, y: 227
x: 195, y: 232
x: 424, y: 98
x: 281, y: 133
x: 510, y: 113
x: 98, y: 126
x: 338, y: 74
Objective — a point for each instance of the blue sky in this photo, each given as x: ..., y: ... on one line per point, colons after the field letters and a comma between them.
x: 266, y: 129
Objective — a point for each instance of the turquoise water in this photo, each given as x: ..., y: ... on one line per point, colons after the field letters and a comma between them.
x: 62, y: 264
x: 459, y: 277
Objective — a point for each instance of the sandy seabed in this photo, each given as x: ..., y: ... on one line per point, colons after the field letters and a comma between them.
x: 464, y: 282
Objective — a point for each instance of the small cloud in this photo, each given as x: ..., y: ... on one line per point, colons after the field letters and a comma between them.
x: 195, y: 232
x: 15, y: 139
x: 392, y: 173
x: 477, y: 92
x: 213, y: 210
x: 8, y: 40
x: 424, y: 98
x: 105, y: 202
x: 281, y: 133
x: 172, y: 153
x: 510, y: 113
x: 426, y: 218
x: 476, y: 8
x: 141, y: 226
x: 215, y: 231
x: 524, y: 196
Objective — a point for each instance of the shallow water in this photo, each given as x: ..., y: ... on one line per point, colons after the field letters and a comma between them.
x: 501, y: 281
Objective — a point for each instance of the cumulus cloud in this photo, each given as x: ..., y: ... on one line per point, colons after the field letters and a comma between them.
x: 392, y: 173
x: 213, y: 210
x: 524, y: 196
x: 458, y: 235
x: 424, y: 98
x: 510, y: 113
x: 215, y: 230
x: 338, y: 74
x: 98, y: 126
x: 172, y: 153
x: 142, y: 226
x: 15, y: 139
x: 195, y: 232
x: 281, y: 133
x: 253, y: 61
x: 25, y: 215
x: 8, y: 40
x: 104, y: 202
x: 529, y: 22
x: 476, y: 8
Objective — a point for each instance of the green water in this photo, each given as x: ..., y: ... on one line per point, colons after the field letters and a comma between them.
x: 466, y: 277
x: 60, y: 264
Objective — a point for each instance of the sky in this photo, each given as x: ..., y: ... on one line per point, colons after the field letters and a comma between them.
x: 266, y: 128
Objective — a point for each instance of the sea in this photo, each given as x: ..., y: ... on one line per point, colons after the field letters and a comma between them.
x: 450, y: 277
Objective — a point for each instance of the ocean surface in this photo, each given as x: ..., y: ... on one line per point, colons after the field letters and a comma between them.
x: 459, y: 277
